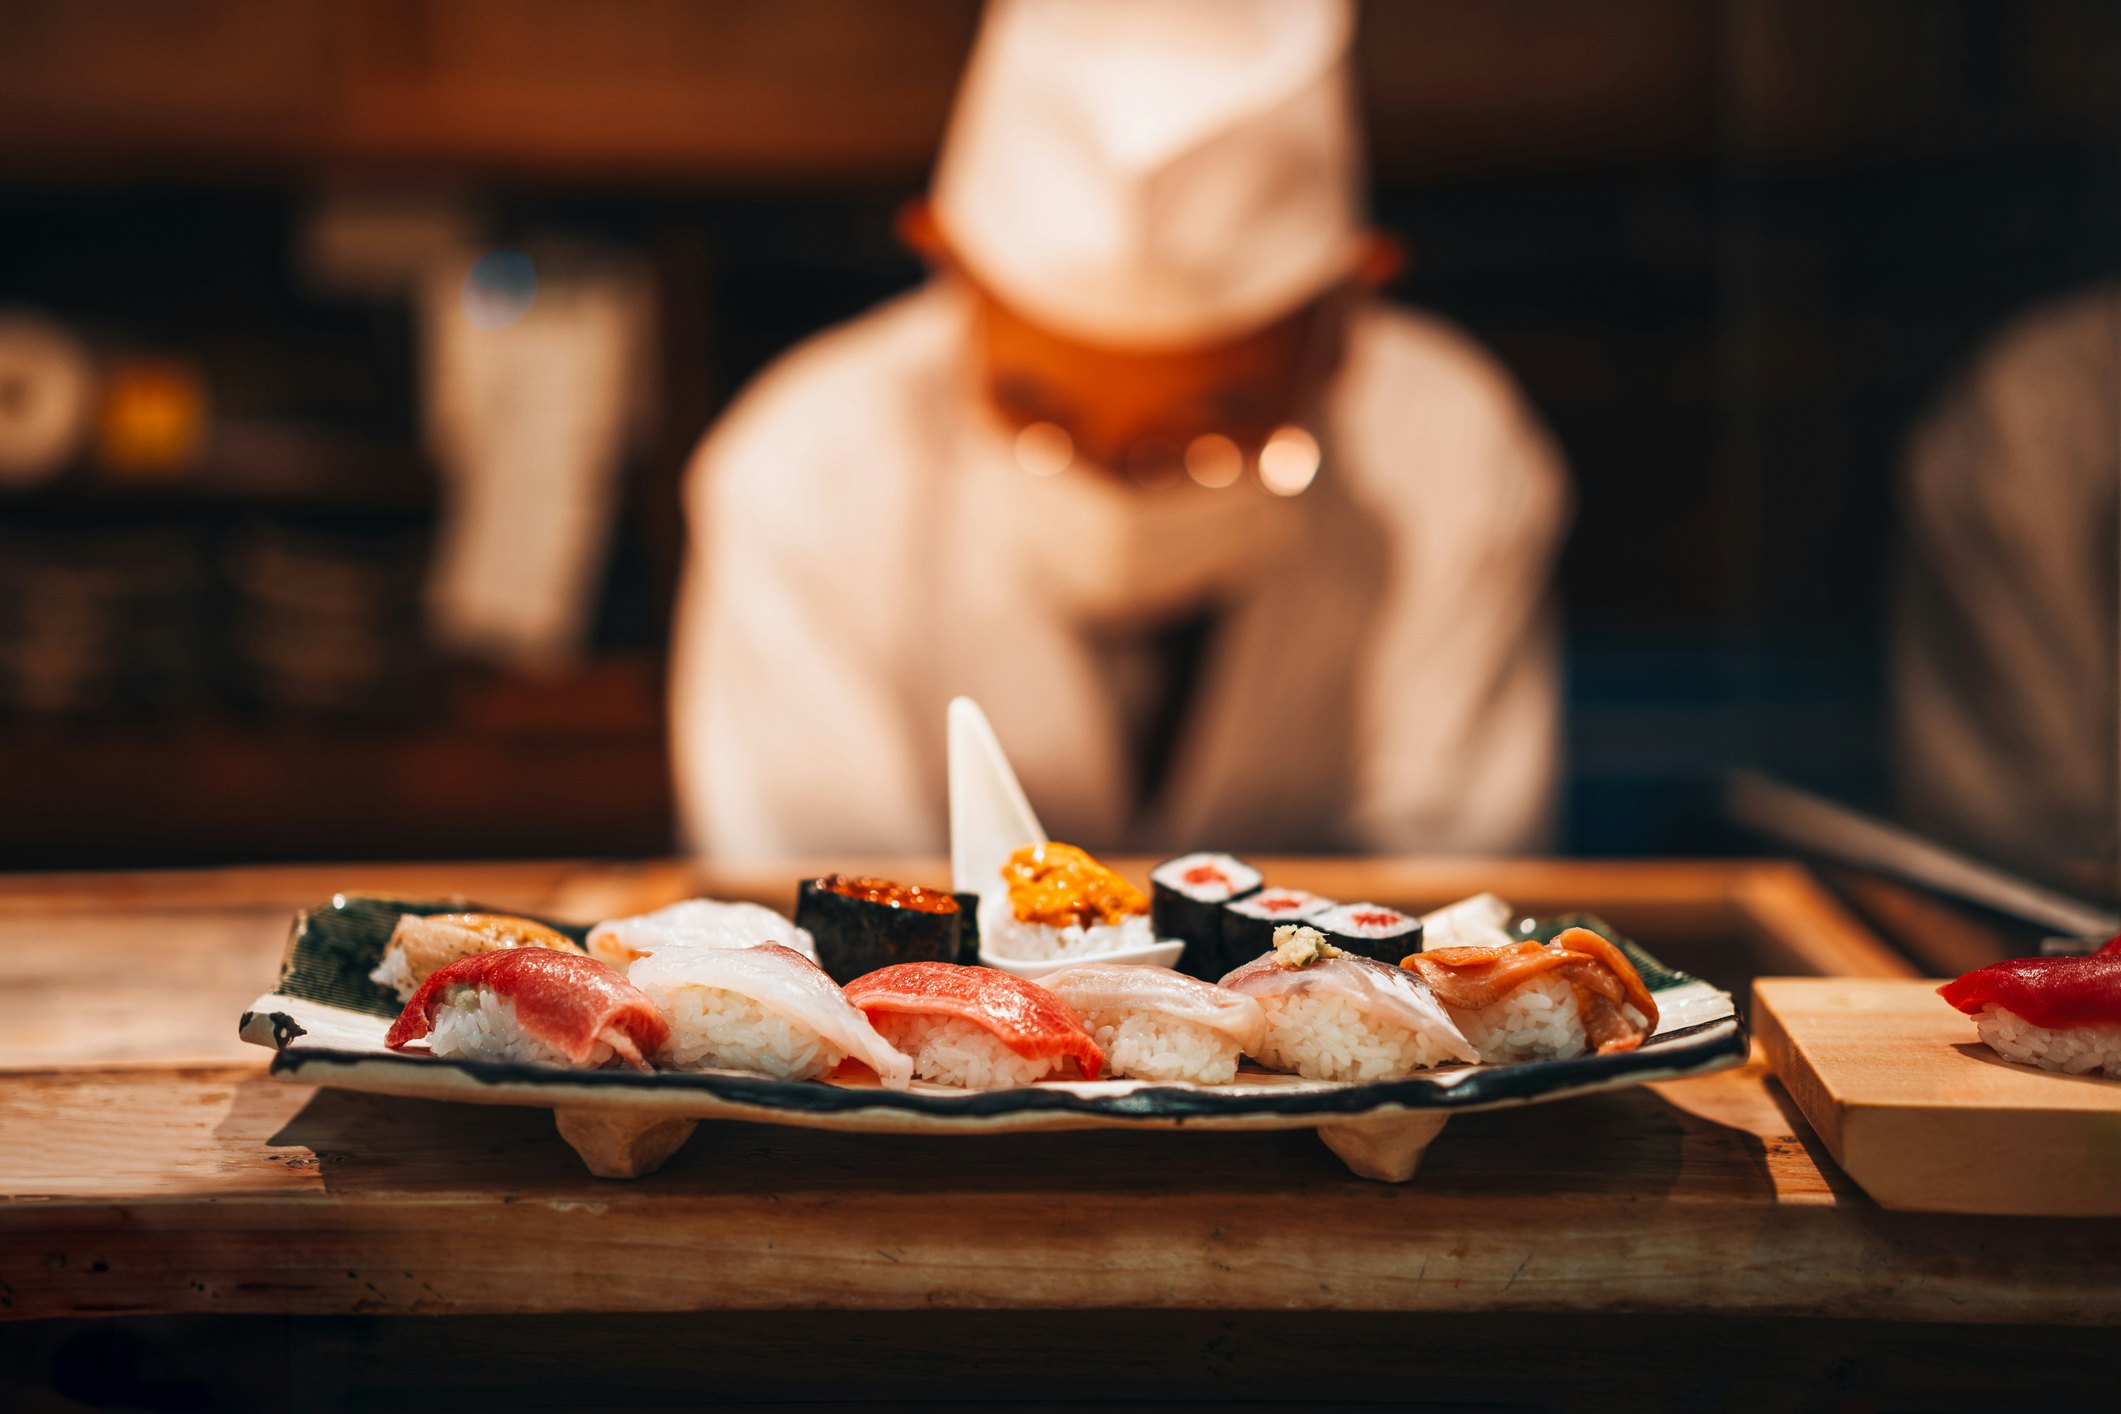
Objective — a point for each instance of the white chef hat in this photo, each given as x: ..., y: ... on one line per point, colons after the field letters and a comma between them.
x: 1154, y: 173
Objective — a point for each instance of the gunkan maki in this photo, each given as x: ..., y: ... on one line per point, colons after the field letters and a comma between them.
x: 1186, y: 898
x: 861, y: 923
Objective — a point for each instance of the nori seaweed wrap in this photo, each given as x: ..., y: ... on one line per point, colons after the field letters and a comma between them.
x: 1186, y: 898
x: 862, y: 923
x: 1249, y: 923
x: 1371, y: 930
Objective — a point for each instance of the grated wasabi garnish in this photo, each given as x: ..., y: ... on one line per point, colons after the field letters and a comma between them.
x: 1298, y: 945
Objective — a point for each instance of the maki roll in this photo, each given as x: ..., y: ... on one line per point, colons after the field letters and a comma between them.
x: 767, y: 1009
x: 423, y: 943
x: 1055, y: 901
x: 1334, y: 1016
x: 1542, y: 1001
x: 1249, y: 923
x: 1186, y: 898
x: 532, y: 1004
x: 2057, y: 1013
x: 1371, y: 930
x: 861, y: 923
x: 1156, y: 1024
x: 973, y: 1026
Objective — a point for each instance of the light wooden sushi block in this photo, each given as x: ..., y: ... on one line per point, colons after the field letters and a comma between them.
x: 1922, y: 1114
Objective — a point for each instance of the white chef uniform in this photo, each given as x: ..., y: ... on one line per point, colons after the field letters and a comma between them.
x: 1381, y: 671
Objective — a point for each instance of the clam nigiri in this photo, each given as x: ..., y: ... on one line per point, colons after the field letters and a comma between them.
x: 2058, y: 1013
x: 1158, y: 1024
x: 1332, y: 1015
x: 1530, y: 1001
x: 531, y: 1004
x: 765, y: 1008
x: 696, y: 922
x: 974, y: 1026
x: 421, y: 944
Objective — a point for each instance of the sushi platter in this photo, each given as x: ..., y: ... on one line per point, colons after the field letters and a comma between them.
x: 1041, y: 991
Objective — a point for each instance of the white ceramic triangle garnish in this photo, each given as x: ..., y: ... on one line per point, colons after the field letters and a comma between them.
x: 990, y: 819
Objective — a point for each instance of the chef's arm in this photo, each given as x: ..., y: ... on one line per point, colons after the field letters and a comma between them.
x: 1458, y: 705
x: 786, y: 739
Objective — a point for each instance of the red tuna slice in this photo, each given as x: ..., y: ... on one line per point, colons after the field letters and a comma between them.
x: 2054, y: 992
x: 566, y: 1000
x: 1026, y: 1018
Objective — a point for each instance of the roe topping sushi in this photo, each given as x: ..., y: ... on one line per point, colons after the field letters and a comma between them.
x: 974, y: 1026
x: 2057, y: 1013
x: 861, y: 923
x: 532, y: 1004
x: 1057, y: 901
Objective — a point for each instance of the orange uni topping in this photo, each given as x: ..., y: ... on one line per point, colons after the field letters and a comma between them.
x: 1058, y: 884
x: 889, y: 892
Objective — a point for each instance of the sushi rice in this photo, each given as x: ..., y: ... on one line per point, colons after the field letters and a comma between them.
x: 950, y: 1050
x: 1153, y: 1047
x: 477, y: 1023
x: 715, y: 1028
x: 1538, y: 1021
x: 1322, y: 1037
x: 2075, y: 1050
x: 1003, y: 934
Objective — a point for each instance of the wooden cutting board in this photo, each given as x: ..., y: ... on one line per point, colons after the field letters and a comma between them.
x: 1924, y: 1116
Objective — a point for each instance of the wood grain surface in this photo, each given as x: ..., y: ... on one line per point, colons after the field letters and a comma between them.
x: 1925, y: 1117
x: 148, y: 1165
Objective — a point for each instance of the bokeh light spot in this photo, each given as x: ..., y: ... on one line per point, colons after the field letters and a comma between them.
x: 499, y: 289
x: 1288, y: 462
x: 1214, y: 461
x: 1044, y: 449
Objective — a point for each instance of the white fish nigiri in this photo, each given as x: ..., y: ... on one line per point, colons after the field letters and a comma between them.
x: 1334, y: 1016
x: 697, y: 922
x: 765, y: 1008
x: 1157, y: 1024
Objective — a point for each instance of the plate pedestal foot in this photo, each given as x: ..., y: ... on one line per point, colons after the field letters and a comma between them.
x: 621, y: 1144
x: 1388, y: 1149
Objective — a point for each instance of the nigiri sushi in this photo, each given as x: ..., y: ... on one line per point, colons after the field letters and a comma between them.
x: 422, y: 943
x: 973, y: 1026
x: 531, y: 1004
x: 1332, y: 1015
x: 1529, y: 1001
x: 697, y: 922
x: 765, y: 1008
x: 1158, y: 1024
x: 2058, y: 1013
x: 1059, y: 902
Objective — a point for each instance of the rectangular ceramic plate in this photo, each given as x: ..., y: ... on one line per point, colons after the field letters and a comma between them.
x: 326, y: 1020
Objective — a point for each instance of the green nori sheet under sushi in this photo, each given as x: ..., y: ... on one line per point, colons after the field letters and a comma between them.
x: 1655, y: 975
x: 858, y: 935
x: 333, y: 949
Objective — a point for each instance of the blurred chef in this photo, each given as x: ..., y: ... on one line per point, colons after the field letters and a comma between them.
x: 1230, y: 552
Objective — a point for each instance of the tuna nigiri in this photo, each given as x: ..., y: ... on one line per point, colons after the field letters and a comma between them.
x: 1533, y: 1002
x: 765, y: 1008
x: 423, y: 943
x: 2058, y: 1013
x: 531, y: 1004
x: 1159, y: 1024
x: 697, y: 922
x: 1334, y: 1016
x: 973, y: 1026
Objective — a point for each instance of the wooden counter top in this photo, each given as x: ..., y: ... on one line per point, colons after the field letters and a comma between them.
x: 148, y: 1165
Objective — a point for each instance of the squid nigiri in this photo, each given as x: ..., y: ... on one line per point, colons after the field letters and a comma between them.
x: 765, y: 1008
x: 1158, y: 1024
x: 422, y: 943
x: 2058, y: 1013
x: 696, y: 922
x: 531, y: 1004
x: 1332, y: 1015
x: 973, y: 1026
x: 1530, y: 1001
